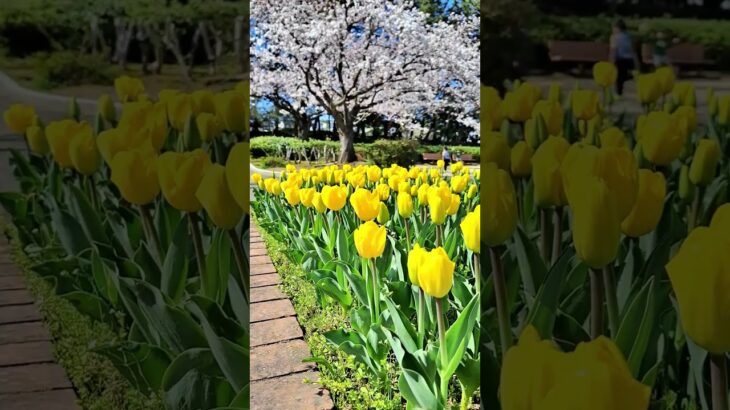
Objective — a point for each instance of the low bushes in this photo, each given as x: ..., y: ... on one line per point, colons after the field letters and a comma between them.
x: 67, y: 68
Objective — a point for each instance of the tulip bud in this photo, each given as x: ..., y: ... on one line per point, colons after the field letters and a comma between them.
x: 472, y: 192
x: 106, y: 108
x: 661, y: 138
x: 180, y: 175
x: 647, y: 210
x: 383, y: 214
x: 318, y: 204
x: 37, y: 140
x: 415, y: 258
x: 291, y: 194
x: 521, y: 159
x: 436, y: 273
x: 83, y: 153
x: 366, y: 204
x: 686, y: 187
x: 604, y: 74
x: 370, y: 240
x: 334, y: 197
x: 471, y: 229
x: 548, y: 184
x: 495, y: 149
x: 704, y: 162
x: 554, y: 93
x: 612, y: 137
x: 723, y: 110
x: 215, y: 196
x: 59, y: 135
x: 134, y: 173
x: 405, y: 205
x: 237, y: 171
x: 19, y: 117
x: 596, y: 222
x: 584, y: 104
x: 453, y: 205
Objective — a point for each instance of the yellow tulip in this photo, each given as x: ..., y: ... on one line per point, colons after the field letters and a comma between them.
x: 647, y: 210
x: 217, y: 199
x: 208, y: 126
x: 698, y: 273
x: 548, y: 183
x: 373, y: 173
x: 517, y: 105
x: 134, y: 173
x: 318, y: 204
x: 59, y: 135
x: 458, y: 183
x: 436, y: 273
x: 584, y: 104
x: 686, y: 189
x: 721, y: 218
x: 37, y: 140
x: 19, y: 117
x: 334, y: 197
x: 596, y: 222
x: 472, y: 192
x: 495, y: 149
x: 370, y: 240
x: 500, y: 206
x: 661, y: 139
x: 594, y: 376
x: 415, y: 258
x: 383, y: 214
x: 383, y: 191
x: 237, y: 171
x: 106, y: 108
x: 686, y: 118
x: 365, y: 203
x: 179, y: 108
x: 440, y: 164
x: 306, y: 196
x: 723, y: 109
x: 649, y: 88
x: 612, y: 137
x: 617, y: 167
x: 291, y: 194
x: 128, y: 88
x: 423, y: 194
x: 230, y: 107
x: 684, y: 94
x: 83, y: 153
x: 552, y: 113
x: 203, y: 101
x: 604, y: 73
x: 665, y: 78
x: 491, y: 114
x: 704, y: 162
x: 453, y: 205
x: 180, y: 175
x: 554, y: 92
x: 405, y: 205
x: 521, y: 159
x: 439, y: 201
x: 471, y: 229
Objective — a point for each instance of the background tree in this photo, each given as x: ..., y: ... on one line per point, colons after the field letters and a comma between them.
x: 367, y: 56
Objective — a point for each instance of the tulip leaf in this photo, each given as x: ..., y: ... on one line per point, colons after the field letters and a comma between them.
x: 175, y: 267
x: 103, y: 279
x: 87, y: 216
x: 89, y: 304
x: 542, y: 315
x: 142, y: 364
x: 636, y: 325
x: 194, y: 381
x: 532, y: 267
x: 242, y: 399
x: 402, y: 327
x: 69, y: 231
x: 414, y: 388
x: 457, y: 337
x: 332, y: 289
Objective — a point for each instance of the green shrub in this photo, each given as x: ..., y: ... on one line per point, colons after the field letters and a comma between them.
x: 387, y: 152
x: 272, y: 162
x: 67, y: 68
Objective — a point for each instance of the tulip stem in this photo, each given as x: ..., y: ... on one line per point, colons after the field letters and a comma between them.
x: 89, y: 182
x: 421, y: 316
x: 477, y: 273
x: 609, y: 284
x: 694, y: 212
x: 152, y: 236
x: 197, y: 242
x: 718, y: 373
x: 376, y: 290
x: 544, y: 234
x: 500, y: 293
x: 442, y: 346
x: 408, y: 233
x: 557, y: 234
x: 240, y: 260
x: 596, y: 303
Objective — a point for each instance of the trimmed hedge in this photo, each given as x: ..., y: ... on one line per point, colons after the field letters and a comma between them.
x: 97, y: 382
x: 713, y: 34
x: 382, y: 152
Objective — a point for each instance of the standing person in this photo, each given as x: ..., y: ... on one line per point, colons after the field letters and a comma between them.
x: 446, y: 156
x: 622, y: 54
x: 659, y: 51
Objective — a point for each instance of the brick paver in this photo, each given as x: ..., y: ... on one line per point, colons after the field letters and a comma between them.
x: 278, y: 349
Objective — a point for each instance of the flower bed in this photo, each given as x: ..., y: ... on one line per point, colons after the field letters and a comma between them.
x: 406, y: 282
x: 610, y: 234
x: 138, y: 222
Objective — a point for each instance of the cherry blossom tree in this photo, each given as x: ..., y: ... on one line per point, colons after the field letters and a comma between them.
x: 360, y: 57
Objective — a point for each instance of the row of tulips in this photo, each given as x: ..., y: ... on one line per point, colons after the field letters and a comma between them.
x: 139, y: 220
x: 608, y: 231
x: 398, y: 250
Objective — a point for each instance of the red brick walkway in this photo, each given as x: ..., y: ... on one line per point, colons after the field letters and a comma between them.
x: 277, y: 343
x: 29, y: 376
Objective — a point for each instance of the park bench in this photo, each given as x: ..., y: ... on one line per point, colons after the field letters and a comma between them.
x: 431, y: 156
x: 467, y: 158
x: 680, y: 55
x: 577, y: 51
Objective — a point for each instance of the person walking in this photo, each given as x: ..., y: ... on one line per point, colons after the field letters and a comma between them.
x: 446, y: 156
x: 622, y: 54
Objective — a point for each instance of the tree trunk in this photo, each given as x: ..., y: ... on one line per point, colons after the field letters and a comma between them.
x: 171, y: 41
x: 346, y: 132
x: 302, y: 126
x: 238, y: 43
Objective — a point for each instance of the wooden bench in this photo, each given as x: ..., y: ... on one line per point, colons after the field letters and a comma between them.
x: 577, y: 51
x: 467, y: 158
x: 680, y: 55
x: 431, y: 156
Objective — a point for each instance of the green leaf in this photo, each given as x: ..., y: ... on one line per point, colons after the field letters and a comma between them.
x: 457, y: 337
x: 532, y: 267
x: 636, y: 326
x: 175, y: 267
x: 542, y: 315
x: 69, y: 231
x: 402, y: 327
x: 87, y: 216
x: 332, y: 289
x: 415, y: 389
x: 143, y: 365
x: 193, y: 381
x: 89, y: 304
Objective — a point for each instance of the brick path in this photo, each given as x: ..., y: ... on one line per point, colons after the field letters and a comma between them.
x: 277, y: 343
x: 29, y: 376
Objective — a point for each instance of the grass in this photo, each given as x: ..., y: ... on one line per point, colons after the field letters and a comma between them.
x: 350, y: 384
x: 97, y: 383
